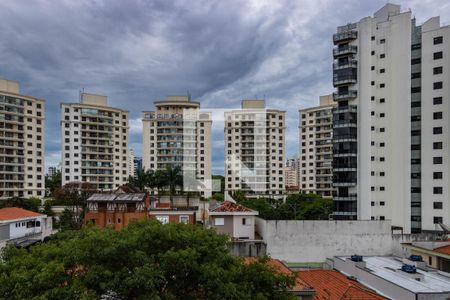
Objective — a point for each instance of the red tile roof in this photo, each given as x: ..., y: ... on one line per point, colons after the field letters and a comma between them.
x: 278, y: 266
x: 332, y: 285
x: 13, y: 213
x: 228, y: 206
x: 443, y: 250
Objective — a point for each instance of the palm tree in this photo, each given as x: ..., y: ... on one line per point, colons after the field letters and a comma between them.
x: 159, y: 181
x: 173, y: 179
x: 140, y: 179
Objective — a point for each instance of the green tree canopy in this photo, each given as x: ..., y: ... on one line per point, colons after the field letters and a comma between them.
x: 300, y: 206
x: 145, y: 260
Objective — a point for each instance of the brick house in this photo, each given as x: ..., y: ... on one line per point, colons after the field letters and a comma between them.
x: 116, y: 209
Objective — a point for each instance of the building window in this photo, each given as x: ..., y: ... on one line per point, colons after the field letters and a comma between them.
x: 381, y: 218
x: 437, y: 175
x: 415, y: 61
x: 219, y: 221
x: 437, y: 55
x: 437, y: 40
x: 437, y: 115
x: 382, y: 41
x: 437, y: 205
x: 382, y: 55
x: 437, y: 160
x: 184, y: 219
x: 163, y: 219
x: 437, y: 100
x: 437, y: 145
x: 415, y: 75
x: 437, y: 130
x: 437, y: 190
x: 437, y: 85
x: 246, y: 221
x: 437, y: 70
x: 437, y: 220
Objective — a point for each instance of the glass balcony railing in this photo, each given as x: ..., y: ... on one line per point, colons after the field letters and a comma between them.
x: 345, y: 36
x: 344, y: 50
x: 350, y: 94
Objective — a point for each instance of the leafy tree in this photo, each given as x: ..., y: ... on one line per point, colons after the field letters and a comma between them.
x: 52, y: 183
x: 144, y: 260
x: 25, y: 203
x: 296, y: 207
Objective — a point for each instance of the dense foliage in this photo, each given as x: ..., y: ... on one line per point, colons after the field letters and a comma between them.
x: 25, y: 203
x: 296, y: 207
x: 52, y: 183
x: 145, y: 260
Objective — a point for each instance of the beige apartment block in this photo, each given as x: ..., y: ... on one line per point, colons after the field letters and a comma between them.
x: 21, y: 143
x: 291, y: 174
x: 94, y: 139
x: 316, y: 148
x: 178, y: 133
x: 255, y: 150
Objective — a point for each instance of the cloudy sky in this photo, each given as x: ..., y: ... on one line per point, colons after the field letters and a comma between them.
x: 137, y: 52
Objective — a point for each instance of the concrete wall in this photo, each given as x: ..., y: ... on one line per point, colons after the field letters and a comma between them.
x: 315, y: 241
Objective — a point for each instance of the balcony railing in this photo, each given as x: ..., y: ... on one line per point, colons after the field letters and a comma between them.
x: 350, y: 94
x: 344, y: 50
x: 344, y: 79
x: 345, y: 36
x: 351, y: 63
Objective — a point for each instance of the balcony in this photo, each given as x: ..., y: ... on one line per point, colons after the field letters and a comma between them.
x: 345, y: 109
x: 344, y: 50
x: 345, y: 36
x: 347, y: 95
x: 351, y: 63
x: 344, y: 80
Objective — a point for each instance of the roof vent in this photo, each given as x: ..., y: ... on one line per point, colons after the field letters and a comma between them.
x: 409, y: 269
x: 356, y: 258
x: 415, y: 258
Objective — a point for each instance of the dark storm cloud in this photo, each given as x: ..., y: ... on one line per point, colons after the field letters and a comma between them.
x: 137, y: 52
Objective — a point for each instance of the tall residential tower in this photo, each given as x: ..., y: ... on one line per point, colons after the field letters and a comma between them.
x: 177, y: 133
x: 255, y: 150
x: 316, y: 148
x: 390, y: 130
x: 21, y: 143
x: 94, y: 138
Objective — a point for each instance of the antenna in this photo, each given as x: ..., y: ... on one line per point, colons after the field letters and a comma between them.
x: 189, y: 95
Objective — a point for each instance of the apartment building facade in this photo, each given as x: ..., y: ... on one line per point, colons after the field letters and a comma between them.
x: 316, y: 148
x: 255, y: 150
x: 291, y: 180
x: 21, y: 143
x: 94, y: 139
x: 391, y: 119
x: 177, y: 133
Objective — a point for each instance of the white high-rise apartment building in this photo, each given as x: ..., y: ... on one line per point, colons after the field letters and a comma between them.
x: 390, y: 134
x: 21, y: 143
x: 316, y: 148
x: 94, y: 138
x: 255, y: 150
x: 177, y: 133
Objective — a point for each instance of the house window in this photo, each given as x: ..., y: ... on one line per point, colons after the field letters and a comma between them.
x: 184, y: 219
x: 246, y: 221
x: 162, y: 219
x: 219, y: 221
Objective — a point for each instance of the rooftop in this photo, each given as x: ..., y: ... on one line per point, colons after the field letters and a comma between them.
x: 123, y: 197
x: 15, y: 213
x: 330, y: 284
x: 228, y: 206
x: 443, y: 250
x: 387, y: 268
